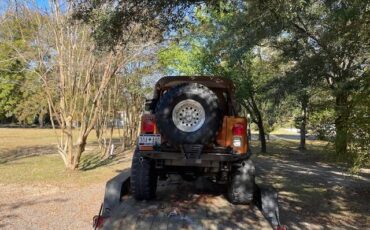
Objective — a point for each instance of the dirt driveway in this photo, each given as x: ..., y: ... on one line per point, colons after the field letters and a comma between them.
x: 316, y: 195
x: 313, y: 195
x: 48, y: 207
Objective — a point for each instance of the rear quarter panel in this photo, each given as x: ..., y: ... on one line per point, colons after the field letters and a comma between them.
x: 225, y: 136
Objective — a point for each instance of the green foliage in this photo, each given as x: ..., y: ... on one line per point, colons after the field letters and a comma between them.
x: 33, y: 101
x: 322, y: 125
x: 326, y: 41
x: 359, y: 129
x: 182, y: 59
x: 112, y: 20
x: 285, y: 57
x: 11, y: 66
x: 20, y: 91
x: 10, y: 93
x: 313, y: 54
x: 202, y: 50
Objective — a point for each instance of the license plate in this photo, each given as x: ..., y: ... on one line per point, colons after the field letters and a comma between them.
x: 149, y: 139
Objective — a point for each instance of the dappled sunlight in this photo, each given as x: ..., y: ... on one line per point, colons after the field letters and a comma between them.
x: 89, y: 89
x: 314, y: 194
x: 187, y: 205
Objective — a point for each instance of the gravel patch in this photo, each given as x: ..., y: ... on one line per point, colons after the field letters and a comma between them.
x: 49, y: 207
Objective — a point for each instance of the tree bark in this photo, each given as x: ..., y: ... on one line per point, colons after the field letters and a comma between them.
x: 79, y: 149
x: 75, y: 153
x: 302, y: 144
x: 341, y: 124
x: 261, y: 129
x: 70, y: 155
x: 262, y: 135
x: 41, y: 120
x: 251, y: 106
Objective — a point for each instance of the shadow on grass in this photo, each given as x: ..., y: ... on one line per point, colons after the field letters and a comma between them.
x: 92, y: 161
x: 314, y: 193
x: 7, y: 156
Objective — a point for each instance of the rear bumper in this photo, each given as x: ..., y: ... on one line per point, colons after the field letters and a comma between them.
x: 205, y: 159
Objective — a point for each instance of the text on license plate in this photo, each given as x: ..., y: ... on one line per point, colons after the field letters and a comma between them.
x: 149, y: 139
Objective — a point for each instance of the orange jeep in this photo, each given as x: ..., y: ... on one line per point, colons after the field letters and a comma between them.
x: 191, y: 127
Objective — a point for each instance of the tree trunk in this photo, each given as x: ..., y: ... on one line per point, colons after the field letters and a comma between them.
x: 75, y: 153
x: 262, y: 135
x: 302, y: 144
x: 261, y: 129
x: 341, y: 124
x: 41, y: 120
x: 79, y: 149
x: 70, y: 155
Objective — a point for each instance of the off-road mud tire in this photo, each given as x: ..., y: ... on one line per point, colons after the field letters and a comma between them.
x: 143, y: 178
x: 199, y: 93
x: 241, y: 184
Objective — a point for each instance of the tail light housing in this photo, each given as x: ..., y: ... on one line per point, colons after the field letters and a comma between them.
x: 238, y: 132
x: 148, y: 126
x: 238, y: 129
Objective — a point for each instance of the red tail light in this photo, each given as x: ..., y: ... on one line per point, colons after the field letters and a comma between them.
x: 238, y: 129
x: 148, y: 126
x: 98, y: 222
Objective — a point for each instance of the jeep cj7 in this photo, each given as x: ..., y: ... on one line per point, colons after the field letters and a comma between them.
x: 190, y: 129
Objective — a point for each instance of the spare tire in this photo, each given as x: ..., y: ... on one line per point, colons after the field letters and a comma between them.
x: 189, y: 114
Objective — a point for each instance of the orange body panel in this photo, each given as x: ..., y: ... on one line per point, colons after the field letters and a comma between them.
x: 225, y: 136
x: 221, y: 138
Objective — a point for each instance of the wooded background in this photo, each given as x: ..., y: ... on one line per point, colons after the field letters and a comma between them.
x: 82, y: 66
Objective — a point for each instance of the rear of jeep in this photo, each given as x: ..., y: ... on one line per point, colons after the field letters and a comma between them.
x: 191, y: 128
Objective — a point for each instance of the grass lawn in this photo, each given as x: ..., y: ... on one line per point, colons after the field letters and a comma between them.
x: 30, y: 156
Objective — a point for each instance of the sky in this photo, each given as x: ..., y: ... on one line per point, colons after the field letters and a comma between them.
x: 42, y: 4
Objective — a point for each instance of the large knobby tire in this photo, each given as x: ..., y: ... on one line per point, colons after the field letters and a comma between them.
x: 189, y: 114
x: 241, y: 184
x: 143, y: 178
